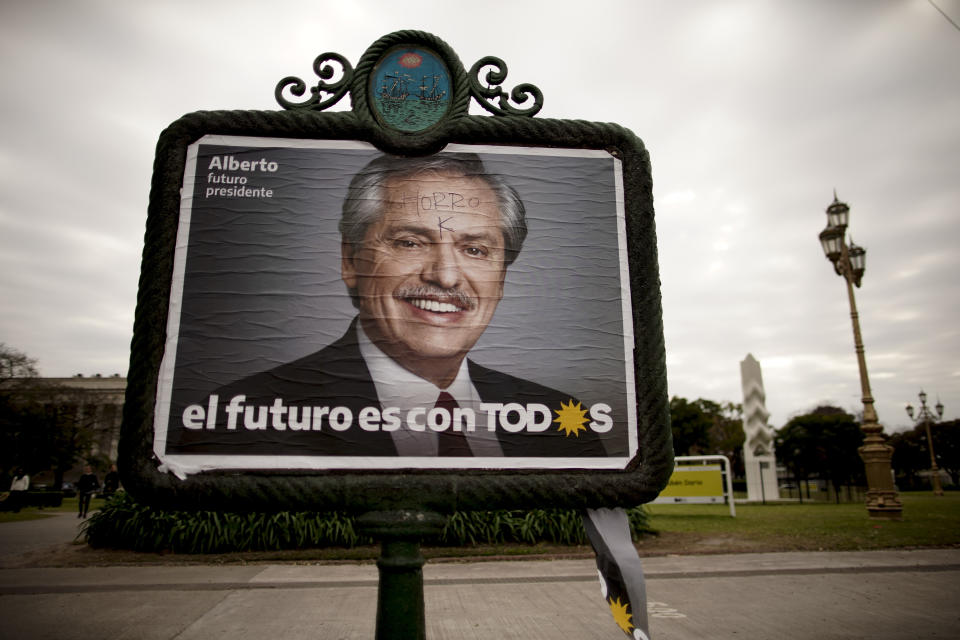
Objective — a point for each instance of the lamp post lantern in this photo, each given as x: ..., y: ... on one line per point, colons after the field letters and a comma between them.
x: 926, y: 418
x: 849, y: 261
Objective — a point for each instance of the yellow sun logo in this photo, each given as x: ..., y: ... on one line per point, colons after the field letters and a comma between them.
x: 621, y: 615
x: 571, y: 418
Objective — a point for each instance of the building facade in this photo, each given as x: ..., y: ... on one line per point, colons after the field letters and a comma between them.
x: 94, y: 405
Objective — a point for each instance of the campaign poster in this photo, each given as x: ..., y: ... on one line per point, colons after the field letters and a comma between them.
x: 333, y: 307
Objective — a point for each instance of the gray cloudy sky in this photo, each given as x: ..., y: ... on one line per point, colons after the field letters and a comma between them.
x: 753, y: 113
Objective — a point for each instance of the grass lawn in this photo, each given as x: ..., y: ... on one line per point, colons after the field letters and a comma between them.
x: 927, y: 521
x: 681, y: 529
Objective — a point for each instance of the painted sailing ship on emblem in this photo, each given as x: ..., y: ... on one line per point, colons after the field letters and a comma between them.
x: 435, y: 94
x: 397, y: 91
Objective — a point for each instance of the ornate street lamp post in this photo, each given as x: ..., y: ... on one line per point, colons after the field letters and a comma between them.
x: 926, y: 419
x: 849, y: 262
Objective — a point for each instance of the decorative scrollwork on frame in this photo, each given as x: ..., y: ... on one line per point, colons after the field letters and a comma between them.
x: 325, y: 94
x: 494, y: 78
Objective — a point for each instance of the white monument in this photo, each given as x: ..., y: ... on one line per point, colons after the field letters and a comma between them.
x: 758, y: 456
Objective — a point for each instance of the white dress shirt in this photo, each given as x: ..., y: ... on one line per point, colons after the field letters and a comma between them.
x: 400, y: 388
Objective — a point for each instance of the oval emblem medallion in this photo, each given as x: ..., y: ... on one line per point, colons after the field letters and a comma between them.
x: 410, y: 89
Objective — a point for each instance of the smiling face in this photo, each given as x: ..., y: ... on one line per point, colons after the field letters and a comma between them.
x: 429, y: 273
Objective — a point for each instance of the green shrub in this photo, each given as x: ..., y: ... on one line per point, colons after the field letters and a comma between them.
x: 123, y: 523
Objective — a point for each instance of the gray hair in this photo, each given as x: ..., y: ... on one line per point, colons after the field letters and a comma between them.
x: 364, y: 204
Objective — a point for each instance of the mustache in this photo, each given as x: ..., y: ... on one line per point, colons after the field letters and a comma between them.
x: 452, y: 296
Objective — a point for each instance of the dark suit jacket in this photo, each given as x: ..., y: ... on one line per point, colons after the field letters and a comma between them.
x: 338, y: 376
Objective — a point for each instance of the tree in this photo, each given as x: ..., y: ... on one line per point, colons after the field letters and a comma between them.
x: 910, y: 456
x: 707, y: 427
x: 42, y: 426
x: 16, y: 420
x: 824, y: 443
x: 15, y: 365
x: 911, y: 451
x: 726, y: 434
x: 690, y: 426
x: 797, y: 451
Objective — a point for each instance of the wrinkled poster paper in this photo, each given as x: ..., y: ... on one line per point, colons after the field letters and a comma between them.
x: 262, y: 367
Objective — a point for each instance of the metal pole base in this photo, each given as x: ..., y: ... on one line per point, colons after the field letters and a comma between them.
x: 400, y: 605
x: 937, y: 487
x: 883, y: 503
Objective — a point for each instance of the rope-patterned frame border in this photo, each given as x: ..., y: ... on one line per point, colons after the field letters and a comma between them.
x: 431, y: 490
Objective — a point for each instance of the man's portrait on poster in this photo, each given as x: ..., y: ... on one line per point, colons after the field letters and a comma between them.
x: 337, y: 307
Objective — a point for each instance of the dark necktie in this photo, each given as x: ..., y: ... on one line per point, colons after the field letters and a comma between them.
x: 450, y: 442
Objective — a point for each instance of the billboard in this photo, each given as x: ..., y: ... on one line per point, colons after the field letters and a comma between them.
x: 325, y: 293
x: 399, y: 305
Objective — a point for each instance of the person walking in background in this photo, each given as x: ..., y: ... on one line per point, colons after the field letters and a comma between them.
x: 111, y: 481
x: 87, y: 485
x: 18, y: 489
x: 21, y: 481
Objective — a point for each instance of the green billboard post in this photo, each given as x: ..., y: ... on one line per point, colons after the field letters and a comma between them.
x: 400, y: 310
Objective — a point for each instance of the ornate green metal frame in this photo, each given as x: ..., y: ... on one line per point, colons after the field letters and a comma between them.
x: 422, y: 490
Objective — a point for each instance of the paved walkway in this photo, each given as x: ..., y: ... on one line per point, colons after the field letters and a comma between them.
x: 17, y: 538
x: 879, y: 594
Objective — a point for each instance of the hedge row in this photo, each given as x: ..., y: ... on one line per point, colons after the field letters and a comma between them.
x: 123, y: 523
